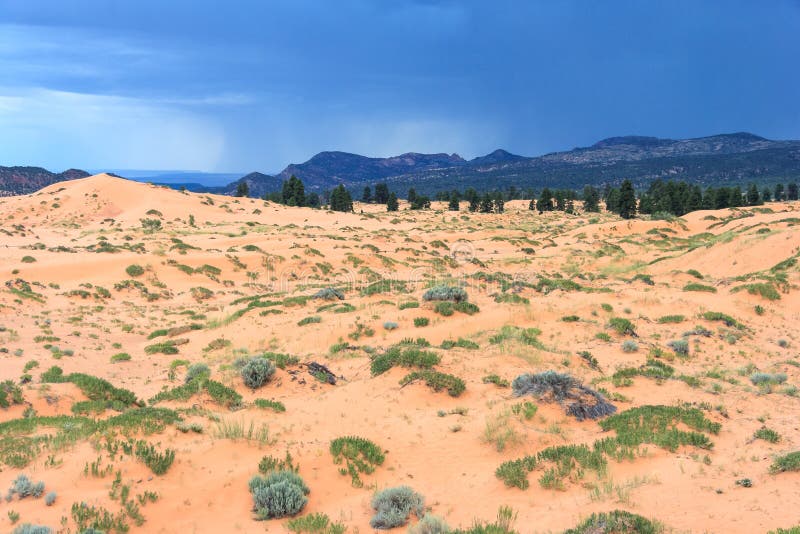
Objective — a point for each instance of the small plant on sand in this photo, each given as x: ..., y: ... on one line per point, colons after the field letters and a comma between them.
x: 578, y: 400
x: 360, y: 455
x: 421, y: 321
x: 23, y: 487
x: 316, y: 523
x: 767, y: 434
x: 278, y: 494
x: 622, y: 326
x: 787, y: 462
x: 436, y: 381
x: 134, y: 270
x: 257, y: 372
x: 393, y: 507
x: 445, y: 293
x: 630, y: 345
x: 617, y: 522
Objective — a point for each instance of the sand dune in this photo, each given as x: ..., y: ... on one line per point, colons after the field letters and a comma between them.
x: 70, y: 302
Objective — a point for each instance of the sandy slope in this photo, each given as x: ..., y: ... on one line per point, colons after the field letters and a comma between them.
x: 262, y: 249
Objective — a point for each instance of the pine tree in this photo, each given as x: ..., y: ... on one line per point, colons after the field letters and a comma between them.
x: 612, y: 200
x: 486, y: 204
x: 591, y: 199
x: 391, y: 202
x: 545, y: 200
x: 627, y: 200
x: 471, y: 196
x: 381, y: 193
x: 312, y: 200
x: 367, y: 196
x: 792, y: 191
x: 293, y: 192
x: 779, y: 193
x: 766, y: 195
x: 753, y: 198
x: 341, y: 199
x: 532, y: 204
x: 242, y: 190
x: 412, y: 195
x: 454, y: 204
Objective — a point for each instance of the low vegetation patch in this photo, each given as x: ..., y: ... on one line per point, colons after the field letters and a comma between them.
x: 394, y: 506
x: 360, y: 456
x: 436, y: 381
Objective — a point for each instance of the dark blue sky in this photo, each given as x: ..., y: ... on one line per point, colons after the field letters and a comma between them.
x: 240, y: 86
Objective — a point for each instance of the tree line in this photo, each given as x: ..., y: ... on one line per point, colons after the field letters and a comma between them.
x: 661, y: 197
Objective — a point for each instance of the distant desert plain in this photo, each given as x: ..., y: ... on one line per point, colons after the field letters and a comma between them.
x: 160, y: 349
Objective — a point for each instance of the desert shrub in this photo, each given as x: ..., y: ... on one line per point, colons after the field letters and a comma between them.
x: 276, y: 406
x: 726, y: 319
x: 195, y: 371
x: 602, y: 336
x: 577, y: 399
x: 359, y: 454
x: 120, y: 357
x: 787, y: 462
x: 328, y: 293
x: 496, y: 380
x: 390, y: 325
x: 646, y: 278
x: 430, y: 524
x: 10, y: 393
x: 460, y: 342
x: 222, y: 394
x: 767, y: 378
x: 165, y: 347
x: 159, y: 462
x: 570, y: 318
x: 315, y: 523
x: 24, y: 487
x: 694, y: 286
x: 437, y: 381
x: 671, y: 319
x: 50, y: 498
x: 309, y: 320
x: 393, y: 506
x: 408, y: 305
x: 28, y: 259
x: 607, y: 307
x: 616, y: 522
x: 278, y: 494
x: 134, y: 270
x: 444, y: 308
x: 466, y: 307
x: 269, y: 464
x: 622, y: 326
x: 27, y: 528
x: 257, y: 372
x: 629, y: 346
x: 502, y: 525
x: 695, y: 273
x: 408, y: 356
x: 764, y: 289
x: 445, y: 293
x: 767, y: 434
x: 680, y: 346
x: 421, y: 321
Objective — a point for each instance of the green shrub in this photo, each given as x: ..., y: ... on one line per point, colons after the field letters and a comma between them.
x: 158, y: 462
x: 404, y: 357
x: 767, y: 434
x: 421, y: 321
x: 316, y: 523
x: 764, y: 289
x: 195, y: 371
x: 496, y: 380
x: 437, y: 381
x: 460, y: 342
x: 222, y: 394
x: 767, y: 378
x: 570, y: 318
x: 120, y: 357
x: 502, y: 525
x: 134, y: 270
x: 257, y: 372
x: 445, y: 293
x: 680, y: 346
x: 390, y: 325
x: 622, y: 326
x: 276, y: 406
x: 28, y: 259
x: 10, y: 393
x: 309, y: 320
x: 279, y: 494
x: 328, y: 293
x: 165, y: 347
x: 694, y: 286
x: 359, y: 454
x: 726, y: 319
x: 430, y: 524
x: 787, y: 462
x: 629, y: 346
x: 602, y: 336
x: 27, y: 528
x: 393, y: 506
x: 671, y: 319
x: 616, y: 522
x: 408, y: 305
x: 444, y: 308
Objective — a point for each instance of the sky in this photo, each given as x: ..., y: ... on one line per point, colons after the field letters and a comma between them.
x: 254, y: 85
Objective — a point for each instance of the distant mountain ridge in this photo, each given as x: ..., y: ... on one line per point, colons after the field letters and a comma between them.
x: 24, y: 180
x: 717, y: 159
x: 723, y: 159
